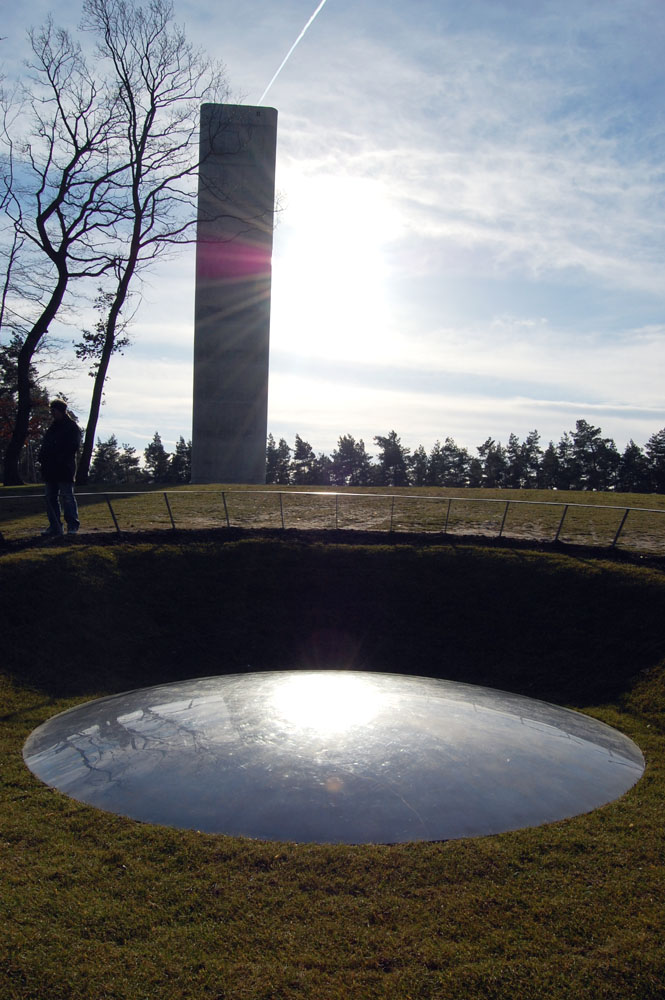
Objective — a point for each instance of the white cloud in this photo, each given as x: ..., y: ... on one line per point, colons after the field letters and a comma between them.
x: 469, y: 417
x: 489, y: 143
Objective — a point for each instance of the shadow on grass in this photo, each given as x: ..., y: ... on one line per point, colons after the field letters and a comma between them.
x: 89, y: 619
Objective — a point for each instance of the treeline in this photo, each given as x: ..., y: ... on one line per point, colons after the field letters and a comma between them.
x: 113, y: 465
x: 582, y: 460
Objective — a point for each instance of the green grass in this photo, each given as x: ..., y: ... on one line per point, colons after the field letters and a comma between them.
x: 97, y: 906
x: 530, y: 515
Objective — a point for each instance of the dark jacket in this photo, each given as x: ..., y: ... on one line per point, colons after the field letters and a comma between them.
x: 58, y: 452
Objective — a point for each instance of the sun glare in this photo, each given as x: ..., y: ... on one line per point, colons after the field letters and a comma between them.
x: 330, y: 274
x: 326, y: 702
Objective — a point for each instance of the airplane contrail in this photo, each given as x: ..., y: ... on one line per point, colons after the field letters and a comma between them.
x: 288, y: 54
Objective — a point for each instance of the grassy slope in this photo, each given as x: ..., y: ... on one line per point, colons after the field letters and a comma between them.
x: 97, y: 906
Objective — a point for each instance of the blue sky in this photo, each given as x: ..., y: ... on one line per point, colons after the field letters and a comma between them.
x: 471, y: 226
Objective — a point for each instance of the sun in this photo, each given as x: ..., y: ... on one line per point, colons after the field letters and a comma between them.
x: 330, y: 271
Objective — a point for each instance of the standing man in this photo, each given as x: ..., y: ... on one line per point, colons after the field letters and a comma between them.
x: 58, y: 461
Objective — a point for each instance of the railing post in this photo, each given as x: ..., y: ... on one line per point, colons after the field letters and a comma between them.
x: 505, y: 514
x: 226, y: 509
x: 620, y: 528
x: 558, y: 530
x: 445, y: 527
x: 168, y: 507
x: 115, y: 520
x: 281, y: 510
x: 392, y: 513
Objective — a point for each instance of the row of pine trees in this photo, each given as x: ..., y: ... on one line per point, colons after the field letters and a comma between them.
x: 113, y: 465
x: 583, y: 459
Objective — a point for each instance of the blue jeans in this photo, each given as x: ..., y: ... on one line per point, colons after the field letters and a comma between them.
x: 55, y: 491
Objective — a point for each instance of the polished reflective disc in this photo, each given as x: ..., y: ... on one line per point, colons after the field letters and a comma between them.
x: 333, y: 756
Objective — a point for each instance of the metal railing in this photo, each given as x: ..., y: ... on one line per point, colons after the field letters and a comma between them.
x: 538, y: 520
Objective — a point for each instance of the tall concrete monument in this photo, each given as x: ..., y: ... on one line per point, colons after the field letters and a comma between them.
x: 232, y: 307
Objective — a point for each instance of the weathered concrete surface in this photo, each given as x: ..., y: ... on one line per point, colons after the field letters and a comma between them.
x: 233, y: 277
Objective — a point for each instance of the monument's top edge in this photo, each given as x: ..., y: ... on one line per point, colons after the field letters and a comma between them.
x: 241, y: 111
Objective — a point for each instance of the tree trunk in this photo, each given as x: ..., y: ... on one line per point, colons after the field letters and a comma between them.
x: 12, y: 476
x: 83, y: 469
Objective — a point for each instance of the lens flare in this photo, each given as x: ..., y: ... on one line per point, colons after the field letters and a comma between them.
x: 328, y: 702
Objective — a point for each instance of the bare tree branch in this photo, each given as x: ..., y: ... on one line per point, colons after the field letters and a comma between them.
x: 161, y: 81
x: 61, y: 192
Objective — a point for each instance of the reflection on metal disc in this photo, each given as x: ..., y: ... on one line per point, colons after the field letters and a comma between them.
x: 333, y: 756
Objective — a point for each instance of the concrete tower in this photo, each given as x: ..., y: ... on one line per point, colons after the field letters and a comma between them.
x: 232, y: 308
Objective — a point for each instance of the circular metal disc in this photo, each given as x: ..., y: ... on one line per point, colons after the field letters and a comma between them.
x: 333, y: 756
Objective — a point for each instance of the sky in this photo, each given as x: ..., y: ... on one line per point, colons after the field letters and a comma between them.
x: 471, y: 229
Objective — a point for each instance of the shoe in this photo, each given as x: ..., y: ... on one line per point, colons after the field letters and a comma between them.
x: 51, y: 533
x: 73, y: 529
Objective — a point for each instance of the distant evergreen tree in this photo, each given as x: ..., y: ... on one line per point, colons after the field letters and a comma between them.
x: 596, y: 458
x: 532, y: 456
x: 418, y: 466
x: 180, y: 462
x: 271, y: 459
x: 567, y: 468
x: 304, y: 465
x: 549, y: 468
x: 655, y: 453
x: 523, y: 461
x: 457, y: 462
x: 476, y: 477
x: 324, y: 469
x: 105, y: 466
x: 492, y: 456
x: 607, y: 465
x: 392, y: 461
x: 278, y: 466
x: 350, y: 465
x: 448, y: 465
x: 436, y: 467
x: 515, y: 475
x: 156, y: 460
x: 633, y: 474
x: 129, y: 470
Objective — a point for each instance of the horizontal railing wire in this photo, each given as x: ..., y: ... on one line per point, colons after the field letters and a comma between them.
x: 297, y: 509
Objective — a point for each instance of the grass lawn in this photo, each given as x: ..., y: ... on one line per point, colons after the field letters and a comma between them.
x: 579, y: 518
x: 99, y: 907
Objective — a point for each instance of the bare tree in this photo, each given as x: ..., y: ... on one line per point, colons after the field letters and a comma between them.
x: 11, y: 242
x: 21, y: 275
x: 162, y: 80
x: 62, y: 190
